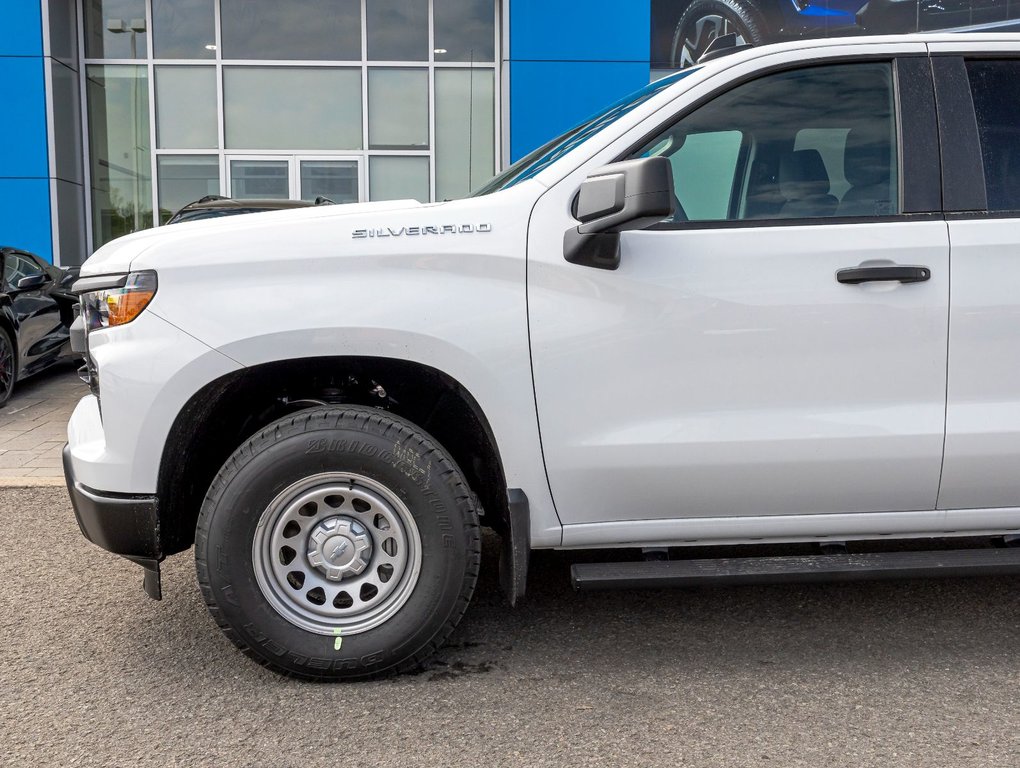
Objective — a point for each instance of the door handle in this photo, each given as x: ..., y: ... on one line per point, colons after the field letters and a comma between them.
x: 857, y: 275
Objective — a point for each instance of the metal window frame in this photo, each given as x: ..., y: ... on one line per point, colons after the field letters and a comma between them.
x: 363, y: 155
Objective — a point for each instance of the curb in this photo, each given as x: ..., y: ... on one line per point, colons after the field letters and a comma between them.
x: 32, y: 482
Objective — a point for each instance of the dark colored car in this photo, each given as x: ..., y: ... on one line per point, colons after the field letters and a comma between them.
x: 36, y: 311
x: 213, y: 206
x: 683, y: 29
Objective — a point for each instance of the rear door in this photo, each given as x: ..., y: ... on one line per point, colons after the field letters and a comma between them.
x: 979, y: 113
x: 728, y: 368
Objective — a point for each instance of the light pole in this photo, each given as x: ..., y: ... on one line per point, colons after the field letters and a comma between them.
x: 135, y: 27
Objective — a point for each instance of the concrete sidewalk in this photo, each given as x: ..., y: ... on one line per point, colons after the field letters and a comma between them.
x: 33, y: 427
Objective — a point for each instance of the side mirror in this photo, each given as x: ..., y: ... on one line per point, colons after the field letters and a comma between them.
x: 620, y: 196
x: 32, y: 281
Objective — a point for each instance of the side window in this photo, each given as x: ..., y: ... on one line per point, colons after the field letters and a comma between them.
x: 803, y: 144
x: 17, y: 267
x: 995, y: 88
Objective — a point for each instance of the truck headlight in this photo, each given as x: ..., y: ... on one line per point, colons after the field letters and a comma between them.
x: 118, y: 302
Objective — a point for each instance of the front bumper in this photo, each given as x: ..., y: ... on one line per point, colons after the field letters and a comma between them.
x: 124, y: 524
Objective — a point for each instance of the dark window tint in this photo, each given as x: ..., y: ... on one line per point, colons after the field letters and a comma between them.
x: 398, y: 30
x: 995, y: 86
x: 183, y: 29
x: 809, y: 143
x: 464, y: 30
x: 17, y: 267
x: 308, y: 30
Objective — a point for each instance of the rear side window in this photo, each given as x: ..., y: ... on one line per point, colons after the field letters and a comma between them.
x: 995, y: 87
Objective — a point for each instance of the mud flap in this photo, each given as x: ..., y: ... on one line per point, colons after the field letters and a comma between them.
x: 513, y: 557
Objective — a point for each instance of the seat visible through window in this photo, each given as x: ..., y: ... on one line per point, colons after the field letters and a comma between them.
x: 804, y: 183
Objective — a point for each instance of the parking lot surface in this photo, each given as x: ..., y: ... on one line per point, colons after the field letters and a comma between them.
x: 33, y: 426
x: 881, y: 674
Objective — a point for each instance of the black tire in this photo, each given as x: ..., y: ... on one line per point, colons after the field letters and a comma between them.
x: 366, y: 442
x: 704, y: 20
x: 8, y: 366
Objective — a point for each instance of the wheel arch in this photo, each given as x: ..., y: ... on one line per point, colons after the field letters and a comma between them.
x: 226, y: 411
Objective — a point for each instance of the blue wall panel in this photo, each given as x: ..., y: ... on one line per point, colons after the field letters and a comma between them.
x: 550, y: 97
x: 23, y: 149
x: 567, y: 60
x: 590, y: 30
x: 21, y: 23
x: 25, y: 215
x: 24, y: 156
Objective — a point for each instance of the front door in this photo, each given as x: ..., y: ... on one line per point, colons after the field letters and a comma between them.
x: 732, y: 366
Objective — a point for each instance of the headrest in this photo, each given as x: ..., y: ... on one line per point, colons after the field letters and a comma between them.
x: 866, y: 158
x: 802, y: 174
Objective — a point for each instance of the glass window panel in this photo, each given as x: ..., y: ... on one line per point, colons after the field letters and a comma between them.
x: 333, y: 179
x: 399, y: 178
x: 186, y: 108
x: 183, y: 29
x: 255, y: 179
x: 996, y: 89
x: 307, y: 30
x: 398, y: 108
x: 465, y: 131
x: 808, y: 143
x: 464, y: 30
x: 292, y: 108
x: 115, y: 29
x: 183, y: 179
x: 398, y: 30
x: 118, y: 98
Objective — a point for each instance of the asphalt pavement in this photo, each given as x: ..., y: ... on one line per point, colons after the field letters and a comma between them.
x: 92, y: 672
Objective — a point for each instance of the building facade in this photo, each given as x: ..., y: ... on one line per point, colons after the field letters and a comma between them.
x: 119, y: 112
x: 122, y: 111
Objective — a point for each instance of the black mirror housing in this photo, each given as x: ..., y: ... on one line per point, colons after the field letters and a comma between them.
x: 31, y: 281
x: 632, y: 194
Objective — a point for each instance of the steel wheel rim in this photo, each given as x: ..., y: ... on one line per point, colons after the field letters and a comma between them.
x: 706, y: 29
x: 6, y: 366
x: 312, y: 537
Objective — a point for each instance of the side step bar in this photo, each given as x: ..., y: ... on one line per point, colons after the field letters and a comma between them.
x: 784, y: 570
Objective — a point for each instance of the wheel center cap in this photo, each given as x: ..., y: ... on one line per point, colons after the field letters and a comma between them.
x: 339, y: 546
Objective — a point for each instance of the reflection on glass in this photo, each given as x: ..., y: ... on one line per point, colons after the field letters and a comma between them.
x: 399, y: 178
x: 119, y: 152
x: 336, y: 180
x: 398, y: 30
x: 186, y: 107
x: 398, y: 109
x: 465, y: 155
x: 255, y: 179
x: 115, y: 29
x: 307, y: 30
x: 464, y: 30
x: 292, y: 108
x: 183, y: 179
x: 183, y: 29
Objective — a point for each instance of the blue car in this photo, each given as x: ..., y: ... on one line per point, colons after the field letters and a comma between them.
x: 683, y: 29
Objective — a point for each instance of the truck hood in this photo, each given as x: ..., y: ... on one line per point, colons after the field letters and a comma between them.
x: 186, y: 240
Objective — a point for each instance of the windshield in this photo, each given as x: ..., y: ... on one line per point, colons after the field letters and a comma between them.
x: 530, y: 165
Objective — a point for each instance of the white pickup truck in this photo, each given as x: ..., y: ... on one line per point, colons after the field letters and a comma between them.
x: 771, y: 298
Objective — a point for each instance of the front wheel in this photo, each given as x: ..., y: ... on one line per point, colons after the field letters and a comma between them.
x: 705, y: 20
x: 8, y: 366
x: 338, y: 543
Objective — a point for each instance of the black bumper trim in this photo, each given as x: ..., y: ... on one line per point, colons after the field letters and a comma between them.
x: 119, y: 523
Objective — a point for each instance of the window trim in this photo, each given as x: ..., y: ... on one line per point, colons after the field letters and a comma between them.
x: 915, y: 196
x: 963, y: 168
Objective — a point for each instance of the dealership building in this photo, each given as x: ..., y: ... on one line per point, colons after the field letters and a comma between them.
x: 118, y: 112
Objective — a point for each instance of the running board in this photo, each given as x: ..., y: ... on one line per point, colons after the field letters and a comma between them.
x: 785, y: 570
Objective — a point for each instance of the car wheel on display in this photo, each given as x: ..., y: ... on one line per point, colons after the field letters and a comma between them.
x: 705, y: 20
x: 8, y: 366
x: 338, y: 543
